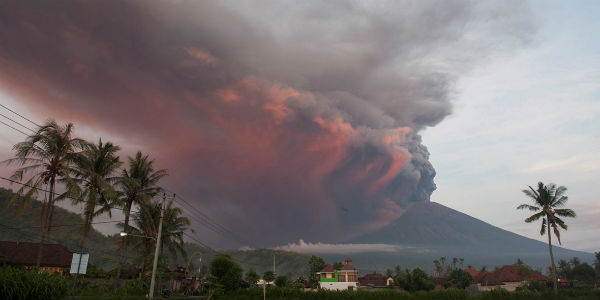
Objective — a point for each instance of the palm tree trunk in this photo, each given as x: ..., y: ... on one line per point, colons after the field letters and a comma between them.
x: 123, y: 247
x: 45, y: 225
x: 552, y: 260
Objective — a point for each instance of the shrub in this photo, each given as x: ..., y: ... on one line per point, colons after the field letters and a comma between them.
x: 22, y: 284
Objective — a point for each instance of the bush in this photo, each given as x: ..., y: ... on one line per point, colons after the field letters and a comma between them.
x: 22, y: 284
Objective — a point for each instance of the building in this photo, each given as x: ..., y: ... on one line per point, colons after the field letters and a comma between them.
x: 56, y: 258
x: 507, y: 277
x: 346, y: 278
x: 374, y: 281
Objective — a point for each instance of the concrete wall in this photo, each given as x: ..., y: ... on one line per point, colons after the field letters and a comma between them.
x: 338, y: 285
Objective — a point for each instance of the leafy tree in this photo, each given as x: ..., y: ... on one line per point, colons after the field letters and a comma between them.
x: 417, y: 281
x: 269, y: 276
x: 93, y: 176
x: 583, y: 272
x: 299, y: 283
x: 337, y: 265
x: 597, y: 264
x: 226, y: 271
x: 50, y: 154
x: 316, y: 264
x: 281, y: 281
x: 402, y: 280
x: 252, y: 277
x: 564, y: 269
x: 575, y: 261
x: 546, y: 200
x: 397, y: 270
x: 388, y: 273
x: 138, y: 184
x: 459, y: 279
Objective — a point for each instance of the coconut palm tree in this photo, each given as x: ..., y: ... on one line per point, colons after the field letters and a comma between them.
x: 146, y: 222
x: 138, y: 184
x: 546, y: 200
x: 93, y: 174
x: 49, y: 154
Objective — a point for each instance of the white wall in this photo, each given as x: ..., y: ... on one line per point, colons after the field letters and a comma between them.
x: 338, y: 285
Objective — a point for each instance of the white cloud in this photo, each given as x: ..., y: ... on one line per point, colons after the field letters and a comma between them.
x: 304, y: 247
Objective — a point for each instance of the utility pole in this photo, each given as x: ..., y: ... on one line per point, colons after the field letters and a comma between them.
x: 162, y: 214
x: 274, y: 265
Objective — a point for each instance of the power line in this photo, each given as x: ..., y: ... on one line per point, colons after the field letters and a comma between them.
x: 214, y: 225
x: 68, y: 225
x: 16, y: 113
x: 14, y: 128
x: 17, y: 123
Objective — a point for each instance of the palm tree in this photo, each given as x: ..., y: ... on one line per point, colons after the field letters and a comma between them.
x: 146, y: 222
x: 138, y: 184
x: 93, y: 174
x: 546, y: 199
x: 50, y: 153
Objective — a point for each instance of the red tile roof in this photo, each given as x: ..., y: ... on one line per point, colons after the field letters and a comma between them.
x: 486, y: 279
x: 373, y: 279
x: 328, y: 269
x: 348, y: 267
x: 510, y: 273
x: 472, y: 272
x: 25, y: 254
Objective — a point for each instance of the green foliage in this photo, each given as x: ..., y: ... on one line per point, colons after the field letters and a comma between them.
x: 281, y: 281
x: 583, y: 272
x: 338, y: 265
x: 269, y: 276
x: 291, y: 293
x: 459, y: 279
x: 417, y: 280
x: 252, y: 277
x: 22, y: 284
x: 226, y: 272
x: 315, y: 264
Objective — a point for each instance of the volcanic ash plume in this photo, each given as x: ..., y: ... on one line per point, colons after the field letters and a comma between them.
x: 284, y: 120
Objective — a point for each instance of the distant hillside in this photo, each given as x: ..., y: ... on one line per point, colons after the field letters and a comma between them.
x: 259, y: 260
x: 66, y: 230
x: 104, y: 249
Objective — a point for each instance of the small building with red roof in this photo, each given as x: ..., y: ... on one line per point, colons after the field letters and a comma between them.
x: 346, y: 278
x: 508, y: 277
x: 56, y: 258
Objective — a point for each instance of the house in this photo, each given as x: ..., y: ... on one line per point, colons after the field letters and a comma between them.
x: 374, y: 281
x: 346, y: 278
x: 56, y: 258
x: 508, y: 277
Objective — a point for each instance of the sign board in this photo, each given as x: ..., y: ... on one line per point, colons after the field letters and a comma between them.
x: 75, y: 263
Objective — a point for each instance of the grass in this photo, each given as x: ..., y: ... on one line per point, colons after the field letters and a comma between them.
x: 16, y: 284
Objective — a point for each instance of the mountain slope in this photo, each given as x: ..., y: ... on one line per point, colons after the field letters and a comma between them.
x: 435, y: 230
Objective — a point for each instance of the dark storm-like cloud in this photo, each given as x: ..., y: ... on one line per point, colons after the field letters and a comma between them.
x: 286, y: 120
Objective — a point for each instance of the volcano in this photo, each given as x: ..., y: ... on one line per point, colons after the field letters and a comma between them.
x: 429, y: 230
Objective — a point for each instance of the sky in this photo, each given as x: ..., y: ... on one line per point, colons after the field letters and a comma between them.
x: 320, y: 121
x: 532, y: 116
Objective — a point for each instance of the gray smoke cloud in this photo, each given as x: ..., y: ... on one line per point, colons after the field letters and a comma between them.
x: 284, y: 120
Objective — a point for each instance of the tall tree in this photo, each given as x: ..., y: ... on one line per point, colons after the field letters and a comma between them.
x: 546, y: 200
x: 138, y: 184
x: 146, y: 222
x: 49, y: 154
x: 93, y: 174
x: 315, y: 264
